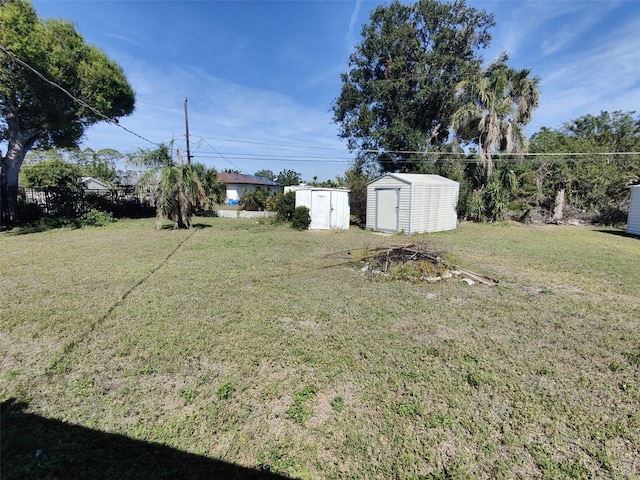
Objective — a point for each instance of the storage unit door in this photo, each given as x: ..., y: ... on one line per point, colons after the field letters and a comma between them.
x: 320, y: 210
x: 387, y: 209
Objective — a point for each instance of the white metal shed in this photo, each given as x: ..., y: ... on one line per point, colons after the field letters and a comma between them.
x: 412, y: 203
x: 328, y: 207
x: 633, y: 220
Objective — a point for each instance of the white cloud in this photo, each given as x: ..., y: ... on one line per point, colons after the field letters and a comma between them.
x: 353, y: 32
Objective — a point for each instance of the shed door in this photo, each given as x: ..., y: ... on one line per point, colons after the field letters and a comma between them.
x: 320, y: 210
x: 387, y: 209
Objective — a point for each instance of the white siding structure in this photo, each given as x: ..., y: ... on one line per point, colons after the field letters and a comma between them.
x: 328, y: 207
x: 412, y: 203
x: 633, y: 221
x: 239, y: 184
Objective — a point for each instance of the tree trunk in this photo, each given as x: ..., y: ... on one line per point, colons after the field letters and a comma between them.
x: 20, y: 142
x: 11, y: 164
x: 558, y: 209
x: 487, y: 163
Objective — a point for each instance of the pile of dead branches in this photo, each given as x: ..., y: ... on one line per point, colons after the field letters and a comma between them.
x: 412, y: 262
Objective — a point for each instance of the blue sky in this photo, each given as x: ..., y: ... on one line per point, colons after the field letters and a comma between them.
x: 260, y: 76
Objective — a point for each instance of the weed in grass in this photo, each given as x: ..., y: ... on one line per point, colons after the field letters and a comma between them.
x: 615, y: 366
x: 82, y: 386
x: 408, y: 409
x: 206, y: 378
x: 439, y: 420
x: 274, y: 461
x: 147, y: 370
x: 432, y: 352
x: 337, y: 403
x: 299, y: 412
x: 306, y: 393
x: 545, y: 371
x: 225, y: 390
x: 61, y: 366
x: 453, y: 472
x: 473, y: 379
x: 188, y: 394
x: 633, y: 358
x: 469, y: 358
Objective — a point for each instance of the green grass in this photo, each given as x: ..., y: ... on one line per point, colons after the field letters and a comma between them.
x: 244, y: 342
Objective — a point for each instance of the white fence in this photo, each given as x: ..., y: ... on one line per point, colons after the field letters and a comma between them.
x: 242, y: 214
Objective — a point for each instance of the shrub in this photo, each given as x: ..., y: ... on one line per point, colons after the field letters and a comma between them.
x: 255, y: 200
x: 285, y: 205
x: 301, y: 218
x: 97, y: 218
x: 476, y: 208
x: 495, y: 201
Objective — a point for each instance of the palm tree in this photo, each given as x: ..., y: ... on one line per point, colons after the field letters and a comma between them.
x: 496, y: 106
x: 176, y: 187
x: 215, y: 191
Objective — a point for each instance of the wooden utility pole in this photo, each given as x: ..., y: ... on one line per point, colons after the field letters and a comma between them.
x: 186, y: 121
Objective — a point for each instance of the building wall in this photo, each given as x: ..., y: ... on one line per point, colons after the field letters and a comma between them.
x: 633, y: 220
x: 329, y: 212
x: 236, y: 190
x: 422, y: 207
x: 404, y: 200
x: 434, y: 208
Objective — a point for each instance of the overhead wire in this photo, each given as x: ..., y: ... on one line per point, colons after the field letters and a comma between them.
x: 80, y: 102
x: 306, y: 158
x: 411, y: 152
x: 223, y: 157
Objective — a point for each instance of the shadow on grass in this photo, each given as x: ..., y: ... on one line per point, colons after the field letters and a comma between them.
x: 44, y: 225
x: 167, y: 226
x: 36, y: 447
x: 619, y: 233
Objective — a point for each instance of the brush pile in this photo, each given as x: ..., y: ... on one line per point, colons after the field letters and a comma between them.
x: 416, y: 263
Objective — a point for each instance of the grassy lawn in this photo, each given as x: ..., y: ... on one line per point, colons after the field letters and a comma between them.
x: 248, y: 344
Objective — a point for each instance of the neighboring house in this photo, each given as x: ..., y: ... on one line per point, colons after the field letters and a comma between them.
x: 633, y: 221
x: 412, y: 203
x: 91, y: 184
x: 238, y: 184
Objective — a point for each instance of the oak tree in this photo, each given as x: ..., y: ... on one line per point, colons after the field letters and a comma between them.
x: 53, y: 85
x: 399, y: 94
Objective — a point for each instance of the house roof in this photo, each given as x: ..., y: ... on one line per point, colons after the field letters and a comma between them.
x: 240, y: 178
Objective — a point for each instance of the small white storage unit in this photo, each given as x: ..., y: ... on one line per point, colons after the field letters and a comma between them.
x: 328, y: 207
x: 633, y: 220
x: 412, y: 203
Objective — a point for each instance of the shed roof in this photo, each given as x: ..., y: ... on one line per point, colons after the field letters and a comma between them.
x: 321, y: 189
x: 419, y: 179
x: 245, y: 179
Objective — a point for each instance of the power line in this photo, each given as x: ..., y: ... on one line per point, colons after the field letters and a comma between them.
x: 80, y: 102
x: 416, y: 152
x: 222, y: 156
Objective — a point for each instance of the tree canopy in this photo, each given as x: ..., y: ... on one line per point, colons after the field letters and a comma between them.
x: 399, y: 94
x: 288, y: 177
x: 268, y: 174
x: 597, y: 163
x: 53, y: 86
